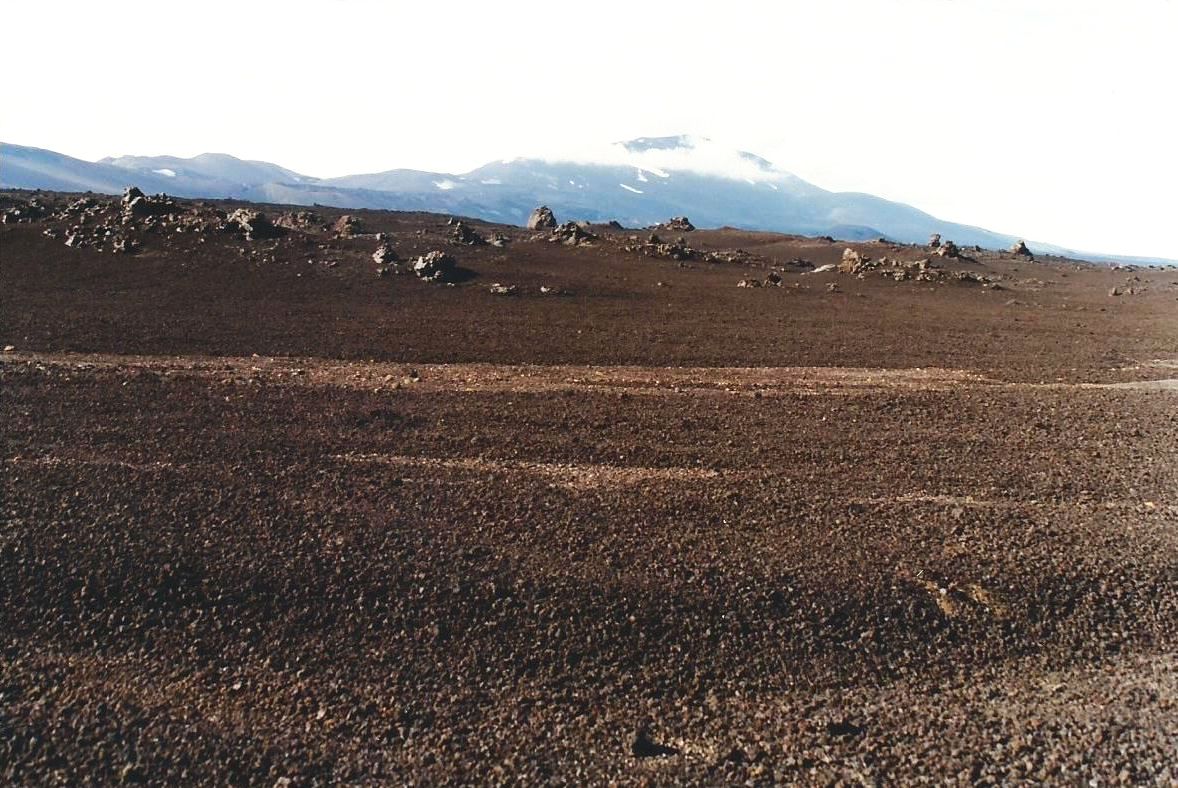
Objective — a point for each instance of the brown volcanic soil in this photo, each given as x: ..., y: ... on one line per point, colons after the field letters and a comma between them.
x: 905, y: 530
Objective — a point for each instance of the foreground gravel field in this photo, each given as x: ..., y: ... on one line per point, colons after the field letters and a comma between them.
x: 791, y: 551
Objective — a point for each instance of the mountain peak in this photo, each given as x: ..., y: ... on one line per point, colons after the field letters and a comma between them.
x: 676, y: 142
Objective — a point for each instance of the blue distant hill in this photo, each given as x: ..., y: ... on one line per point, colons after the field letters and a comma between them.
x: 638, y: 183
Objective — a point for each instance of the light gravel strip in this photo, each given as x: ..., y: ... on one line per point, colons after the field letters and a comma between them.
x: 523, y: 378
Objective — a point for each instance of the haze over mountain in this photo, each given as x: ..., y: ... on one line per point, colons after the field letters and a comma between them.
x: 638, y: 183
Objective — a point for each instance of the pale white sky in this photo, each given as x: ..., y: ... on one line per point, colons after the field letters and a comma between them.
x: 1054, y: 120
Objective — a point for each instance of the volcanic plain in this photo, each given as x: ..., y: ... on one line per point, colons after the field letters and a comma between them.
x: 574, y: 507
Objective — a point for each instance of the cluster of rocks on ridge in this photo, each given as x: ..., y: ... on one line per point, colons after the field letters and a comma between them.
x: 572, y: 234
x: 922, y: 270
x: 677, y: 224
x: 126, y: 225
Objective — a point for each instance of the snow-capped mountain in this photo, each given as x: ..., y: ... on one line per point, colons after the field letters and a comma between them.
x: 637, y: 182
x: 219, y: 171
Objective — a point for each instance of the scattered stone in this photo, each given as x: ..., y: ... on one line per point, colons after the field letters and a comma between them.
x: 463, y: 234
x: 644, y: 747
x: 1116, y: 291
x: 749, y: 283
x: 498, y: 239
x: 30, y: 211
x: 727, y: 256
x: 934, y: 241
x: 542, y: 219
x: 435, y: 267
x: 505, y: 290
x: 971, y: 277
x: 125, y: 246
x: 833, y: 287
x: 844, y: 728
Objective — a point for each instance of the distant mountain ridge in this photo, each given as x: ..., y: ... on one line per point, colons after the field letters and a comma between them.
x: 637, y: 182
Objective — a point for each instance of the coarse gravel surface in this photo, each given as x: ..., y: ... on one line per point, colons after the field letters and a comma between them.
x: 266, y: 521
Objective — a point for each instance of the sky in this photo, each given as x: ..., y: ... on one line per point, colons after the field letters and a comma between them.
x: 1051, y: 120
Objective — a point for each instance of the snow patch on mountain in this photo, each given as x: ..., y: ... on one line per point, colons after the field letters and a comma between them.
x: 661, y: 156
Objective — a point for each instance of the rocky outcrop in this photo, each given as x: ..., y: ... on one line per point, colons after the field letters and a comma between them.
x: 435, y: 267
x: 542, y: 219
x: 299, y: 220
x: 347, y: 226
x: 853, y: 262
x: 948, y: 249
x: 655, y: 246
x: 386, y: 259
x: 254, y: 224
x: 463, y: 234
x: 137, y: 205
x: 1021, y: 249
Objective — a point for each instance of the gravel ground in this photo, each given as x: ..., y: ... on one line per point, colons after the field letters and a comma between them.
x: 403, y: 547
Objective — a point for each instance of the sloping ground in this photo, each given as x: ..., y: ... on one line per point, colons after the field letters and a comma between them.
x: 311, y: 294
x: 504, y: 552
